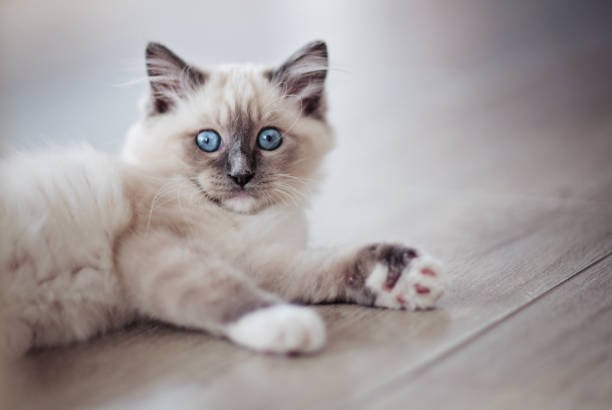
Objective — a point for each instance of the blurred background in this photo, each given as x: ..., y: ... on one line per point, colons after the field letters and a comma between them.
x: 443, y: 87
x: 463, y: 126
x: 419, y: 75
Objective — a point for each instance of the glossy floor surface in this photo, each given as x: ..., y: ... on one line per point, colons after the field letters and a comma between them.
x: 478, y: 130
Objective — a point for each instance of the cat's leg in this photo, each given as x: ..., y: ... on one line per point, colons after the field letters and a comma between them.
x: 382, y: 274
x: 15, y: 338
x: 189, y: 286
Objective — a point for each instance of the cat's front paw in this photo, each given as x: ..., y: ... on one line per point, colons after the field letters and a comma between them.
x: 282, y: 328
x: 396, y: 277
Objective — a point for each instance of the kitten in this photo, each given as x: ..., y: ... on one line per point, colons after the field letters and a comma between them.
x: 200, y: 223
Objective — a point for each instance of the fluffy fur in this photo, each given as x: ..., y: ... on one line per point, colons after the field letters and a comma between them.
x: 91, y: 242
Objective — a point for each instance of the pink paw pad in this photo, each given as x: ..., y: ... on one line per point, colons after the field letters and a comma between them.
x: 400, y: 299
x: 420, y: 289
x: 428, y: 272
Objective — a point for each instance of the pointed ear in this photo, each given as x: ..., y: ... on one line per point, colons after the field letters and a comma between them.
x: 170, y: 78
x: 303, y: 76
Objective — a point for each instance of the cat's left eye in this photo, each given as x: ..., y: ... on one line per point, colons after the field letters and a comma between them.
x: 269, y: 139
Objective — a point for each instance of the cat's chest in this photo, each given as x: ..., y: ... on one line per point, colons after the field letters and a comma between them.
x: 240, y: 233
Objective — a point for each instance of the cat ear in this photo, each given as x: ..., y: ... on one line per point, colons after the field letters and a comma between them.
x: 170, y: 77
x: 303, y: 76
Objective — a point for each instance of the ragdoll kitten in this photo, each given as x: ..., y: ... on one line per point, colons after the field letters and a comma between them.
x: 200, y: 223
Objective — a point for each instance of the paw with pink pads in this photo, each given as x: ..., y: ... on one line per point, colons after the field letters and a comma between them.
x: 395, y: 277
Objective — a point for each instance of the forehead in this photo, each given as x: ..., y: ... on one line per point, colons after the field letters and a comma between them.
x: 235, y: 93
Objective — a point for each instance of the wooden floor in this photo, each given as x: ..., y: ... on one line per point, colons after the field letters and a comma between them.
x: 480, y: 131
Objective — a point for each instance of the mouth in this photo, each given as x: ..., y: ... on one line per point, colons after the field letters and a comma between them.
x: 240, y: 201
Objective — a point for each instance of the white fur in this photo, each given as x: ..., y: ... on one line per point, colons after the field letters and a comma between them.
x: 241, y: 204
x: 280, y: 329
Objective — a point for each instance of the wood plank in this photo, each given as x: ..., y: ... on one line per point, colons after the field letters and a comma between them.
x: 555, y: 353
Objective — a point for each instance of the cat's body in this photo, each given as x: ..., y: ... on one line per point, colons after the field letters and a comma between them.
x: 200, y: 224
x: 74, y: 217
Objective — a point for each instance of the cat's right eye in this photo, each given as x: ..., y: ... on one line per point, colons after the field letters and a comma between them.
x: 208, y: 140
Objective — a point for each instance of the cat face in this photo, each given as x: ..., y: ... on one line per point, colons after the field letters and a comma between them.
x: 247, y: 137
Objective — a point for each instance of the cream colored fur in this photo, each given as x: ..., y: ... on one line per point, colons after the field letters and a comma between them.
x: 59, y: 213
x: 91, y: 241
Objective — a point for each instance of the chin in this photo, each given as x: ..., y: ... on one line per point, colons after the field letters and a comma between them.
x: 243, y: 204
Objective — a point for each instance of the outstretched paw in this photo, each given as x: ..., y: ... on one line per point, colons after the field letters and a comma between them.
x: 396, y: 277
x: 282, y: 328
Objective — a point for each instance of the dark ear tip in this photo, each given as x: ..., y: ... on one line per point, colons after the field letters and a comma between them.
x: 317, y: 45
x: 154, y: 48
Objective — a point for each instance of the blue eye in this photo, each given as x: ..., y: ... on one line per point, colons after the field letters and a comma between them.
x: 269, y: 139
x: 208, y: 140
